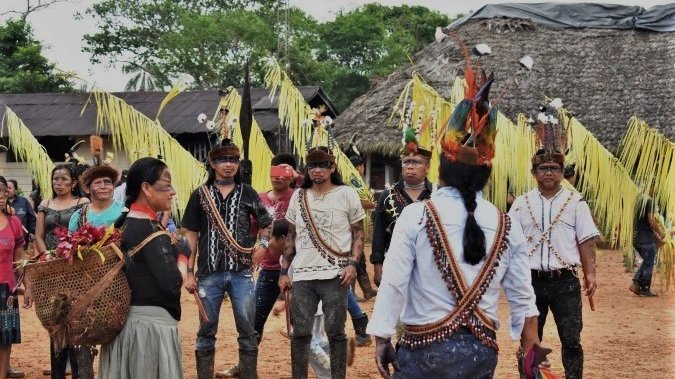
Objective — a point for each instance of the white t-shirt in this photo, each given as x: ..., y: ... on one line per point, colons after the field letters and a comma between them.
x: 334, y: 212
x: 119, y: 193
x: 553, y: 247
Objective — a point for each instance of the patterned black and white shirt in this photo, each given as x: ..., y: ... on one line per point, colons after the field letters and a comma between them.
x: 237, y: 210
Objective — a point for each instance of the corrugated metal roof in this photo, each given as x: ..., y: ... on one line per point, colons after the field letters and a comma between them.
x: 58, y: 114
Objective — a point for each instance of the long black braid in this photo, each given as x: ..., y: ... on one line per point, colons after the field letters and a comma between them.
x: 468, y: 180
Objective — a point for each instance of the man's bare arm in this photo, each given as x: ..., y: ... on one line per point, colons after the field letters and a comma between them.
x: 357, y: 240
x: 289, y: 247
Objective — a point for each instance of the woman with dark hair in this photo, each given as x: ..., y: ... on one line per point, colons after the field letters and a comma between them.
x: 22, y: 209
x: 52, y: 213
x: 447, y: 260
x: 11, y: 250
x: 149, y: 344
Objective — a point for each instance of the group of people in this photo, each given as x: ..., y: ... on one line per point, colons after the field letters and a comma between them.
x: 441, y: 253
x: 440, y: 257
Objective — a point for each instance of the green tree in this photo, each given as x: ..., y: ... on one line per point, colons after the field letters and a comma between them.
x: 374, y: 40
x: 23, y: 68
x: 206, y: 42
x: 141, y: 79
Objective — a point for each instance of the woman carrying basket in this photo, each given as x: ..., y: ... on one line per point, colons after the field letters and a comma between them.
x: 11, y: 250
x: 52, y: 213
x: 149, y: 344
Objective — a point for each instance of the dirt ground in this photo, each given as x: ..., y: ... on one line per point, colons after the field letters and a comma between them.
x: 626, y: 337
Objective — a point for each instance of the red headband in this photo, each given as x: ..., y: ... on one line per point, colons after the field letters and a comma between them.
x: 283, y: 170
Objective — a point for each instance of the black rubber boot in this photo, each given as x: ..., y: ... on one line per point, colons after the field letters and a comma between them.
x: 300, y: 357
x: 338, y: 359
x: 248, y: 364
x: 205, y: 362
x: 360, y: 325
x: 366, y: 287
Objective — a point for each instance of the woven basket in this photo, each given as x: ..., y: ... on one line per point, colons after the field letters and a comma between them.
x: 83, y: 303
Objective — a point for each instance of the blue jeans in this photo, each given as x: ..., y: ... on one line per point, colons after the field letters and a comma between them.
x: 643, y: 276
x: 239, y: 286
x: 352, y: 305
x: 266, y: 294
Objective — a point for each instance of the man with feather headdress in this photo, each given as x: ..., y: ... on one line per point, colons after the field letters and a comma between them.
x: 449, y: 256
x: 218, y: 218
x: 560, y: 234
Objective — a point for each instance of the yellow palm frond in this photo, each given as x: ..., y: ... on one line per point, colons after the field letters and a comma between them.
x: 259, y: 152
x: 604, y: 181
x: 649, y: 157
x: 139, y: 136
x: 27, y: 148
x: 293, y: 113
x: 665, y: 264
x: 175, y: 91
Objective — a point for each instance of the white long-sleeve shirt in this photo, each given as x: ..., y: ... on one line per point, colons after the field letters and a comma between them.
x: 412, y: 287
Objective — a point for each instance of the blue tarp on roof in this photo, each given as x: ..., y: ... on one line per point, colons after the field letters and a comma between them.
x: 659, y: 18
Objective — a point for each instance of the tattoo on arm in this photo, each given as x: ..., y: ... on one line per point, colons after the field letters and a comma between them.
x: 357, y: 240
x: 192, y: 243
x: 289, y: 247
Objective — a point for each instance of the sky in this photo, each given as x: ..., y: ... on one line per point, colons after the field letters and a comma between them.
x: 62, y: 34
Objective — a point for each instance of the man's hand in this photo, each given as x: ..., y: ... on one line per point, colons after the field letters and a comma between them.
x: 378, y: 273
x: 27, y: 298
x: 384, y: 355
x: 257, y: 256
x: 284, y: 283
x: 191, y: 283
x: 348, y: 275
x: 589, y: 284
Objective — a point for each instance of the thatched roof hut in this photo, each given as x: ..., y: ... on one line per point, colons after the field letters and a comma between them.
x: 606, y: 67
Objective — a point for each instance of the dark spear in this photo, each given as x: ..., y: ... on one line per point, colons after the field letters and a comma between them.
x: 245, y: 122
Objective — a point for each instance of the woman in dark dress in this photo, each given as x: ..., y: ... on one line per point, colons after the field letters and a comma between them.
x: 149, y: 344
x: 52, y: 213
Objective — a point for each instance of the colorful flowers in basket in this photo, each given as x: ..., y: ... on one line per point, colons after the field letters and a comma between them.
x: 87, y: 238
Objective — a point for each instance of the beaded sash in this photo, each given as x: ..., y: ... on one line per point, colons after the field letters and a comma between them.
x: 331, y: 255
x: 466, y: 313
x: 235, y: 250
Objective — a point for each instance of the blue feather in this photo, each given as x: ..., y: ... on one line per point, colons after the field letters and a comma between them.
x: 459, y: 115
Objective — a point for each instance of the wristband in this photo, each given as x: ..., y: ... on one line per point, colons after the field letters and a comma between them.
x: 283, y: 271
x: 265, y: 243
x: 353, y: 263
x: 191, y: 270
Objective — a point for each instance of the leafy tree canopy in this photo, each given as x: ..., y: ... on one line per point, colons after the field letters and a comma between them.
x: 23, y: 68
x: 205, y: 43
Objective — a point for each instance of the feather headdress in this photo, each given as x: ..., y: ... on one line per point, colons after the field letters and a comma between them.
x: 321, y: 124
x: 471, y: 131
x: 412, y: 132
x: 550, y: 138
x: 223, y: 130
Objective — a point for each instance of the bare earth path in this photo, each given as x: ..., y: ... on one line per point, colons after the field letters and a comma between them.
x: 626, y: 337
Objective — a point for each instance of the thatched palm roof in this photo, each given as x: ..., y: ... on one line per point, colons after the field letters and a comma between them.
x: 604, y: 76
